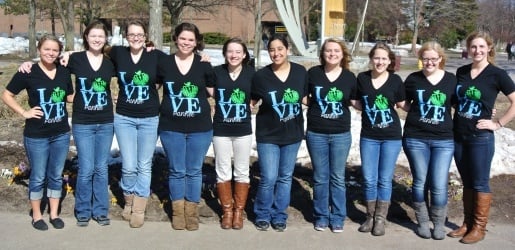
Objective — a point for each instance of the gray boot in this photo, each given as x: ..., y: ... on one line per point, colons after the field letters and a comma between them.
x: 369, y: 223
x: 438, y: 215
x: 380, y: 218
x: 422, y: 219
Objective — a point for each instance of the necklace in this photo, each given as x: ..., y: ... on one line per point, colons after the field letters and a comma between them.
x: 235, y: 73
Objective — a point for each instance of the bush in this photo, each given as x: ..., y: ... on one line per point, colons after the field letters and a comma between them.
x: 167, y: 37
x: 215, y: 38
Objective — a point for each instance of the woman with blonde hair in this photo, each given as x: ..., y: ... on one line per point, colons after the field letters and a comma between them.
x: 332, y: 89
x: 428, y: 137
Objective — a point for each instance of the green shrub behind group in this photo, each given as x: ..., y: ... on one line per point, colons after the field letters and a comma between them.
x: 215, y: 38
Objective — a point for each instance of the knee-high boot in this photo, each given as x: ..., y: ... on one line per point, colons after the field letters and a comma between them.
x: 225, y: 197
x: 241, y: 191
x: 468, y: 214
x: 422, y: 216
x: 369, y: 223
x: 481, y: 210
x: 380, y: 218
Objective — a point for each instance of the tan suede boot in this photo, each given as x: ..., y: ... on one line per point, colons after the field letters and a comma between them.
x: 468, y: 214
x: 139, y: 204
x: 191, y: 214
x: 225, y: 197
x: 369, y: 223
x: 178, y: 219
x: 127, y: 208
x: 241, y: 191
x: 482, y: 208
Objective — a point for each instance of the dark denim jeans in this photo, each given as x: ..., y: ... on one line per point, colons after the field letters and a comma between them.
x: 46, y: 159
x: 186, y: 152
x: 429, y: 162
x: 93, y: 143
x: 328, y: 154
x: 473, y: 155
x: 276, y: 164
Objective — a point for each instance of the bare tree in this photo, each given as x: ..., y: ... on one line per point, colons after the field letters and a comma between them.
x: 155, y: 27
x: 67, y: 15
x: 176, y: 7
x: 32, y: 29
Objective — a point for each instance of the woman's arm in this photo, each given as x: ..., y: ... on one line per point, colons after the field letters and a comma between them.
x: 356, y: 104
x: 10, y: 101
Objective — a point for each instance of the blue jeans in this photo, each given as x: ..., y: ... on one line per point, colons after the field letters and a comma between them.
x: 378, y: 158
x: 276, y: 164
x: 93, y: 143
x: 429, y: 161
x: 328, y: 154
x: 186, y: 152
x: 473, y: 155
x: 46, y: 159
x: 137, y: 138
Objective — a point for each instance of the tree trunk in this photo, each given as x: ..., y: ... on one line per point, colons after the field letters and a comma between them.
x: 32, y: 29
x: 70, y: 16
x: 155, y: 28
x: 257, y: 36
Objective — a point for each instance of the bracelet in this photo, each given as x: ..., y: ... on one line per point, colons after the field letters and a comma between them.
x: 498, y: 122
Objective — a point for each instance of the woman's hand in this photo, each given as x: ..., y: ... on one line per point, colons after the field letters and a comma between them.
x: 65, y: 57
x: 488, y: 124
x: 34, y: 112
x: 25, y: 67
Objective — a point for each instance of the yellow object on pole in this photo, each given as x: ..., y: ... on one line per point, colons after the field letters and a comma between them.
x: 420, y: 64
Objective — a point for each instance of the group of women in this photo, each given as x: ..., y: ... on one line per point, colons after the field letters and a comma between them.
x: 183, y: 122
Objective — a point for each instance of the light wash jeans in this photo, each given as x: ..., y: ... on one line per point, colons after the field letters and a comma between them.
x: 137, y: 138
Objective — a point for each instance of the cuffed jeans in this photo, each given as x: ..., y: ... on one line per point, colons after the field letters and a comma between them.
x: 137, y: 139
x: 93, y: 143
x: 473, y: 155
x: 328, y: 154
x: 378, y: 158
x: 185, y: 152
x: 276, y: 164
x: 46, y: 159
x: 238, y: 147
x: 429, y: 162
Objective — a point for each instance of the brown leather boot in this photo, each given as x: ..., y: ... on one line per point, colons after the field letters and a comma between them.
x: 482, y: 208
x: 139, y: 205
x: 191, y: 215
x: 369, y: 223
x: 468, y: 214
x: 178, y: 219
x: 241, y: 191
x: 225, y: 197
x: 127, y: 208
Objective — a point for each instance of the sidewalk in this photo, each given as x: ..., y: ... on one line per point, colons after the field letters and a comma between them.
x: 17, y: 233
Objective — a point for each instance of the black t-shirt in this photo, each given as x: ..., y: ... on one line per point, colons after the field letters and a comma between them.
x: 232, y: 102
x: 430, y: 114
x: 328, y: 111
x: 92, y: 103
x: 185, y: 107
x: 379, y: 119
x: 50, y: 95
x: 476, y: 97
x: 137, y: 95
x: 280, y: 119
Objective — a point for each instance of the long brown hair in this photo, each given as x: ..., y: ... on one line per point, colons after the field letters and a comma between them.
x: 385, y: 47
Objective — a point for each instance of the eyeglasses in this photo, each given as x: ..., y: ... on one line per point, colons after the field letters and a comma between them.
x: 132, y: 36
x: 433, y: 60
